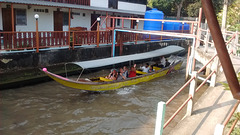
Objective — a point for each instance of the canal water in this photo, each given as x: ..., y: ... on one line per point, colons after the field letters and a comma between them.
x: 50, y: 108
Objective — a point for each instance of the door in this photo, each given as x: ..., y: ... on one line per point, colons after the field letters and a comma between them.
x: 58, y: 21
x: 93, y: 19
x: 7, y: 19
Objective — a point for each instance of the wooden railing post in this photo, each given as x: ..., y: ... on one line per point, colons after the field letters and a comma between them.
x: 98, y: 21
x: 37, y: 36
x: 192, y: 89
x: 160, y: 118
x: 73, y: 40
x: 137, y: 21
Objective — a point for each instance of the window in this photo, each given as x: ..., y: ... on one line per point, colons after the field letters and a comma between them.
x: 136, y: 1
x: 21, y: 17
x: 113, y: 4
x: 65, y: 18
x: 118, y: 21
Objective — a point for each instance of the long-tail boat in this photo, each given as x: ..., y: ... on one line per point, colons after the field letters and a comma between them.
x: 103, y: 84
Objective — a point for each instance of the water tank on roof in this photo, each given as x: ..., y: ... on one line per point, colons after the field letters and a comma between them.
x: 153, y: 25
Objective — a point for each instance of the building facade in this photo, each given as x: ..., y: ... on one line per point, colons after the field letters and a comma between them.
x: 18, y: 15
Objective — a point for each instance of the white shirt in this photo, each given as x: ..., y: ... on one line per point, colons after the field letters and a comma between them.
x: 144, y: 69
x: 163, y: 61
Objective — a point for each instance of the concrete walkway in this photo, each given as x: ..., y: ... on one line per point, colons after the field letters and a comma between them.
x: 211, y: 109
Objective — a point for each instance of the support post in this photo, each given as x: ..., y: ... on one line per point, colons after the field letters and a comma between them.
x: 69, y: 25
x: 162, y: 30
x: 187, y: 66
x: 160, y: 118
x: 206, y: 42
x: 12, y: 17
x: 98, y: 21
x: 37, y: 36
x: 219, y: 129
x: 113, y: 36
x: 198, y: 38
x: 114, y: 43
x: 120, y: 44
x: 221, y: 48
x: 199, y: 27
x: 136, y: 33
x: 192, y: 89
x: 214, y: 68
x: 235, y: 52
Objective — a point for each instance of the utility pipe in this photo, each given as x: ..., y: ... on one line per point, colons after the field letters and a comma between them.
x: 221, y: 48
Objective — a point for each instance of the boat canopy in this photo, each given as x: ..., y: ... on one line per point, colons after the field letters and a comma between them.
x: 120, y: 59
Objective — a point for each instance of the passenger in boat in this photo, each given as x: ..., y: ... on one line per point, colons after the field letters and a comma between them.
x: 132, y: 71
x: 121, y: 75
x: 113, y: 75
x: 163, y: 62
x: 151, y: 69
x: 145, y: 68
x: 167, y: 63
x: 125, y: 70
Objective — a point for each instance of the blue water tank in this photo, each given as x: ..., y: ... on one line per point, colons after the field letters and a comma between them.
x: 153, y: 25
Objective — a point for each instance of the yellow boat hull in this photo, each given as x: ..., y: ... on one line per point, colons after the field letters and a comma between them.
x: 111, y: 85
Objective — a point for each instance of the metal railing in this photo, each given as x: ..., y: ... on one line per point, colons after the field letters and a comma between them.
x: 193, y: 89
x: 219, y: 130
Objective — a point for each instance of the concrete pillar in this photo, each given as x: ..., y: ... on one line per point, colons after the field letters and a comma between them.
x: 199, y: 37
x: 208, y: 69
x: 236, y: 43
x: 214, y: 68
x: 160, y: 118
x: 192, y: 89
x: 206, y: 41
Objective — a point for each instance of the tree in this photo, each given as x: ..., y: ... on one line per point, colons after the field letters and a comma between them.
x: 179, y: 4
x: 233, y: 16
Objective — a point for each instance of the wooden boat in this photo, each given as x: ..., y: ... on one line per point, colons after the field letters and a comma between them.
x: 87, y: 84
x: 103, y: 84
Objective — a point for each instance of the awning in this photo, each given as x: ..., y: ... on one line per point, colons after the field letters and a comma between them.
x: 120, y: 59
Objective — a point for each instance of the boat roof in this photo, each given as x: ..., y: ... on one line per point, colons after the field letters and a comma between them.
x: 120, y: 59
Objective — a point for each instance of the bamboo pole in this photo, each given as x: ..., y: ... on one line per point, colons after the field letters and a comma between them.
x: 221, y: 48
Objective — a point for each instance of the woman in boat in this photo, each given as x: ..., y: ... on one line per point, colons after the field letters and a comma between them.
x: 151, y: 69
x: 125, y: 70
x: 145, y: 68
x: 132, y: 71
x: 122, y: 75
x: 167, y: 63
x: 113, y: 75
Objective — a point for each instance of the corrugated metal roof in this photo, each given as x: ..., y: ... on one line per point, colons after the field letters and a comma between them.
x: 65, y: 5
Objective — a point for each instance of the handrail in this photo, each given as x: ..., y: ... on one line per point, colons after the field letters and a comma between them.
x: 231, y: 113
x: 198, y: 88
x: 142, y: 19
x: 200, y: 70
x: 179, y: 109
x: 184, y: 86
x: 232, y: 127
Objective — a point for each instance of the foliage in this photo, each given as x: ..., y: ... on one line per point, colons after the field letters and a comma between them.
x: 187, y: 8
x: 193, y: 9
x: 233, y: 16
x: 226, y: 86
x: 236, y: 130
